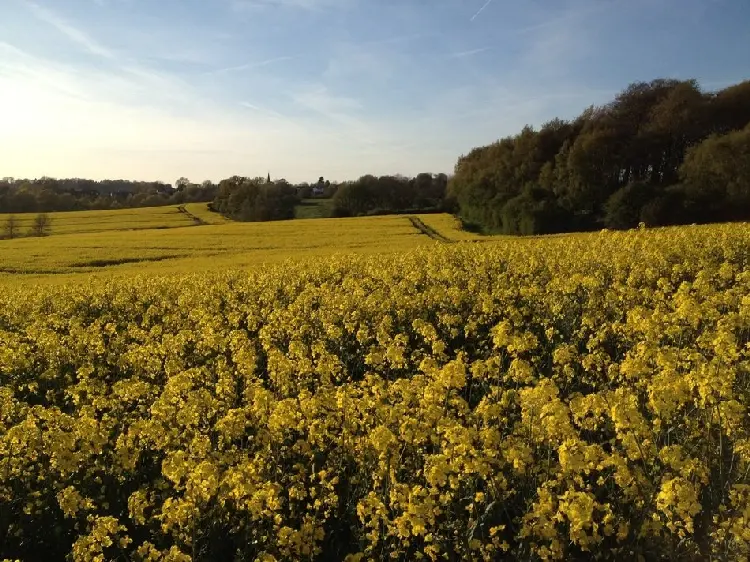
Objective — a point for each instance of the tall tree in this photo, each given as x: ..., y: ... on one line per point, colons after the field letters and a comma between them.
x: 41, y: 225
x: 676, y: 123
x: 11, y: 227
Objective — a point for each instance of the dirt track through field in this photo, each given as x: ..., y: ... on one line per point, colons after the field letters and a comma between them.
x: 198, y: 221
x: 429, y: 231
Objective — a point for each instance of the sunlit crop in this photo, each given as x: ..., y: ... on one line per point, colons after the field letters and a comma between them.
x: 75, y: 222
x: 581, y: 397
x: 188, y: 247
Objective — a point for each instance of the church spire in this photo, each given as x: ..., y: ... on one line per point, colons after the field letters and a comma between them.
x: 268, y: 180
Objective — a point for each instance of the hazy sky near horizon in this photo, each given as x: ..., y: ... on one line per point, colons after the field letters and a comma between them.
x: 158, y: 89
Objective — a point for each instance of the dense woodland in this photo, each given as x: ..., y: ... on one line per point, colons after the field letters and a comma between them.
x: 663, y: 152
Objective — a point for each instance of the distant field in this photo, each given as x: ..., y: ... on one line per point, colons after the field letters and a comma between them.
x: 166, y: 240
x: 314, y: 209
x: 146, y: 218
x: 200, y: 211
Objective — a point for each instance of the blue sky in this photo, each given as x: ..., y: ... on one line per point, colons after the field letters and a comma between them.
x: 158, y: 89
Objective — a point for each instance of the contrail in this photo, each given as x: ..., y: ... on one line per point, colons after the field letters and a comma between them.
x: 270, y: 112
x: 249, y: 65
x: 462, y: 54
x: 481, y: 10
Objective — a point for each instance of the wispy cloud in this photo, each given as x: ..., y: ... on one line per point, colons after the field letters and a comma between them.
x: 269, y: 112
x: 396, y: 39
x: 168, y: 45
x: 354, y: 62
x: 312, y: 5
x: 26, y: 68
x: 379, y: 62
x: 468, y: 53
x: 555, y: 46
x: 570, y: 16
x: 333, y: 107
x: 249, y: 66
x: 70, y: 31
x: 122, y: 79
x: 484, y: 6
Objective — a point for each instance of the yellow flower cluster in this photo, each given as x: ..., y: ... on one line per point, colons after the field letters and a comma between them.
x: 547, y: 399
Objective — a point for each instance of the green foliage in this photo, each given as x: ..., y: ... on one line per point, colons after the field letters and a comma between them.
x: 671, y: 207
x: 623, y: 208
x: 720, y: 166
x: 254, y: 200
x: 50, y: 194
x: 535, y: 211
x: 41, y: 225
x: 616, y: 165
x: 11, y: 227
x: 319, y: 208
x: 390, y: 194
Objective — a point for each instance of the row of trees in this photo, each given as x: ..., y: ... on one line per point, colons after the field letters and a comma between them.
x: 391, y: 194
x: 49, y: 194
x: 259, y: 199
x: 13, y: 228
x: 662, y: 152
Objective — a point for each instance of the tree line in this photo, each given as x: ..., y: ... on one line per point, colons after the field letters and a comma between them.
x: 260, y: 199
x: 74, y: 194
x: 662, y: 152
x: 391, y: 194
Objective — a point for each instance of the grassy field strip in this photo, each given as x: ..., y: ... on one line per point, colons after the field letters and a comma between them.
x: 314, y: 209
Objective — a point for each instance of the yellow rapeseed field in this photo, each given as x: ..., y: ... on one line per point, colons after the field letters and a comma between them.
x: 575, y: 397
x: 186, y: 246
x: 74, y: 222
x: 450, y: 226
x: 201, y: 212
